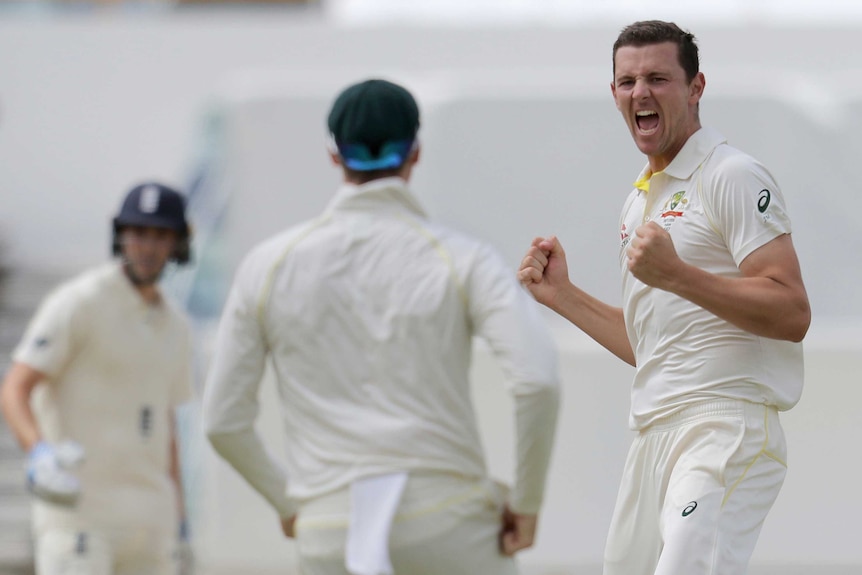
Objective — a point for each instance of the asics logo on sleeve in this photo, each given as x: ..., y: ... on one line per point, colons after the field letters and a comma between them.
x: 689, y: 509
x: 763, y: 200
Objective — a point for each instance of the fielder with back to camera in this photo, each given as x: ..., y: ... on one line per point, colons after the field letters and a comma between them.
x: 367, y: 315
x: 90, y: 396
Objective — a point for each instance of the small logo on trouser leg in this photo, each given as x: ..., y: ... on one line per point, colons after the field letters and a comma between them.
x: 146, y: 421
x: 81, y: 544
x: 689, y: 509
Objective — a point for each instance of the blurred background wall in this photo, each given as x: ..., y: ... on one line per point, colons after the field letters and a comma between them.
x: 520, y: 138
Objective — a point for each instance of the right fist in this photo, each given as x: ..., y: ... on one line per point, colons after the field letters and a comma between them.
x: 544, y: 269
x: 48, y: 472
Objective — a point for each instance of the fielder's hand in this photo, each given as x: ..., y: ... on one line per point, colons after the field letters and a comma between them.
x: 48, y: 472
x: 519, y: 531
x: 288, y: 527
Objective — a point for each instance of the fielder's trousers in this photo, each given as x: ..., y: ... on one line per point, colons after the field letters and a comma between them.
x: 444, y: 525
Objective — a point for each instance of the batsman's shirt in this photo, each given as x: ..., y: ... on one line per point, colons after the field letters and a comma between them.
x: 367, y: 315
x: 719, y: 205
x: 116, y: 367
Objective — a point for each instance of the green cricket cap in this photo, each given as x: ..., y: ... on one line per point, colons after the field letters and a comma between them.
x: 374, y: 125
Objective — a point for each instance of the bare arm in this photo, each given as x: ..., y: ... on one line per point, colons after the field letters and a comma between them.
x: 15, y: 400
x: 544, y: 271
x: 769, y: 300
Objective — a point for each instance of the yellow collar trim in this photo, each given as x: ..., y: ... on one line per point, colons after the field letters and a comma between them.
x: 643, y: 183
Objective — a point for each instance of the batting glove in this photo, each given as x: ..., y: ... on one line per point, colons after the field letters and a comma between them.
x: 48, y: 472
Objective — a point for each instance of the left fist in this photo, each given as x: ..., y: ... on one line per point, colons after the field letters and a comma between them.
x: 651, y: 256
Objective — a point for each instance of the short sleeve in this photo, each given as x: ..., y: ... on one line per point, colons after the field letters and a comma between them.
x: 50, y: 337
x: 745, y: 205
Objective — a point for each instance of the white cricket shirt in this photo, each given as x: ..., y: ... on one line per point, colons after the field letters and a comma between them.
x: 115, y: 368
x: 719, y: 205
x: 367, y: 315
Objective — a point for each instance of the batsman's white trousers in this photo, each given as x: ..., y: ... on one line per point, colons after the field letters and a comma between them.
x: 696, y: 489
x: 67, y: 552
x: 445, y: 525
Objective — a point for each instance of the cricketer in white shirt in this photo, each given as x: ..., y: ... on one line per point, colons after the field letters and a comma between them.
x: 115, y: 368
x: 367, y: 315
x: 720, y: 205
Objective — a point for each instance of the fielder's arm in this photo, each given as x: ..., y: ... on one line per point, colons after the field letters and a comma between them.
x: 505, y: 316
x: 231, y: 404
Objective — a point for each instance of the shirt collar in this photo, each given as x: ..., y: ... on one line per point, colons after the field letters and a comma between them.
x: 118, y: 277
x: 384, y: 193
x: 696, y: 149
x: 693, y: 153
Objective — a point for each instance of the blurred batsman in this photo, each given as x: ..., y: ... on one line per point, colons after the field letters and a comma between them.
x: 90, y: 396
x: 367, y: 315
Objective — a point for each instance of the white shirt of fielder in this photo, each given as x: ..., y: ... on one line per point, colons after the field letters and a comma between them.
x: 367, y: 315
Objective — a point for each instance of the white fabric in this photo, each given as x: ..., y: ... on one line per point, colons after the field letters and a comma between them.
x: 73, y: 553
x: 373, y: 503
x: 128, y: 552
x: 707, y: 199
x: 445, y: 525
x: 244, y: 450
x: 696, y: 489
x: 115, y: 366
x: 367, y: 315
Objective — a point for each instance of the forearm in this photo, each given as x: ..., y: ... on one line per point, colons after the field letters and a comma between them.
x: 602, y: 322
x: 15, y: 402
x: 760, y: 305
x: 22, y: 422
x: 535, y: 418
x: 244, y: 451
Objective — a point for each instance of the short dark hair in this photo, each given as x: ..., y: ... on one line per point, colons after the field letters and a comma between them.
x: 648, y: 32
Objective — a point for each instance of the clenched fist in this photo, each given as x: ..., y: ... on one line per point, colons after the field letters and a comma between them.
x: 544, y: 270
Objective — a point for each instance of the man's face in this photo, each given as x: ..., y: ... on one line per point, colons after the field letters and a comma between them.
x: 146, y: 250
x: 656, y: 100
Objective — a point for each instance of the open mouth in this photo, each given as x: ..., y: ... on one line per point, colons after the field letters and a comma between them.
x: 647, y: 121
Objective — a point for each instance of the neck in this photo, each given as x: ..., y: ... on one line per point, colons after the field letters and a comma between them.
x: 148, y: 291
x: 659, y: 163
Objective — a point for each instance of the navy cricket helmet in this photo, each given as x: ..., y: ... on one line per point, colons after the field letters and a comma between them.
x: 155, y: 205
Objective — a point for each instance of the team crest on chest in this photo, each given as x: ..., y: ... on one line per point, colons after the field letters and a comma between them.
x: 674, y: 208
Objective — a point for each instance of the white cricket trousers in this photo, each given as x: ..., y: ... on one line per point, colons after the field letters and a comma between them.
x: 696, y: 489
x: 445, y: 525
x: 70, y: 552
